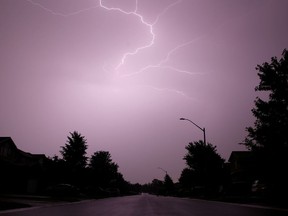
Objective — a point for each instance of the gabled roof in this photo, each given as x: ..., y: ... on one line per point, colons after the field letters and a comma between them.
x: 4, y: 139
x: 7, y: 140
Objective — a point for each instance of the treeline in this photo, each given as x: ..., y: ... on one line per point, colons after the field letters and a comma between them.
x: 74, y: 173
x: 267, y: 142
x: 268, y: 138
x: 208, y: 175
x: 205, y: 175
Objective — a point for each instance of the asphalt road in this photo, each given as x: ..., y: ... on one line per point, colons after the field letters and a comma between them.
x: 146, y: 205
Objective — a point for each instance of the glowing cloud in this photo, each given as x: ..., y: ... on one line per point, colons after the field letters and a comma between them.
x: 141, y: 18
x: 162, y: 64
x: 150, y: 26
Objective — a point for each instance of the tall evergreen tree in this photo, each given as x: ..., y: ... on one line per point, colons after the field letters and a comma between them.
x: 168, y: 184
x: 74, y: 151
x: 105, y: 171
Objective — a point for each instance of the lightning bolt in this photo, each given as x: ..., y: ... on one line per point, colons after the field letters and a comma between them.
x: 141, y: 18
x: 162, y: 64
x: 61, y: 14
x: 150, y: 26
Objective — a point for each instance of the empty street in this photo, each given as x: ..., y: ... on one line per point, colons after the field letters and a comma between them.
x: 146, y: 205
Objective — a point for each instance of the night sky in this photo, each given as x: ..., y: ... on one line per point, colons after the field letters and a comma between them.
x: 123, y: 72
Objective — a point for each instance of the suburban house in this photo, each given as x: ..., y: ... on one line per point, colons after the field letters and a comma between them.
x: 243, y: 171
x: 21, y: 172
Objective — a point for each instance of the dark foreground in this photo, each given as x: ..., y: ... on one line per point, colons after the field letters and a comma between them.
x: 145, y: 205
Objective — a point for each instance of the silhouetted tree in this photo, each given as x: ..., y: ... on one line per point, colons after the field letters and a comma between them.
x: 55, y: 170
x: 269, y: 136
x: 75, y: 160
x: 74, y: 151
x: 187, y: 179
x: 134, y: 189
x: 104, y: 170
x: 168, y: 185
x: 155, y: 187
x: 206, y: 165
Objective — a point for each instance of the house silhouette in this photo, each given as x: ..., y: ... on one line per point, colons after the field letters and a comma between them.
x: 21, y: 172
x: 243, y: 171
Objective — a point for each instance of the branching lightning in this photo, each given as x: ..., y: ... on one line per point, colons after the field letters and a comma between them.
x: 152, y: 41
x: 61, y: 14
x: 162, y: 64
x: 139, y: 16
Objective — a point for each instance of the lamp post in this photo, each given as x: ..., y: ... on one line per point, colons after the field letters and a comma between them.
x: 163, y: 170
x: 202, y: 129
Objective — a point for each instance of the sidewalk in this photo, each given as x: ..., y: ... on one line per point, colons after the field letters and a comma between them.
x: 8, y: 201
x: 254, y: 201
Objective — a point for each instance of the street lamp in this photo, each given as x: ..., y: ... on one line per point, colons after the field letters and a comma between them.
x: 163, y: 170
x: 202, y: 129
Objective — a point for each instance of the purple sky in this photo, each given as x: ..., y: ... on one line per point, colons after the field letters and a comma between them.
x: 122, y: 73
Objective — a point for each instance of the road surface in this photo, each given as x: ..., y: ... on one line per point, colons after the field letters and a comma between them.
x: 146, y: 205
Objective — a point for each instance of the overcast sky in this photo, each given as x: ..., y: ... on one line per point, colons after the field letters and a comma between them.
x: 122, y: 73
